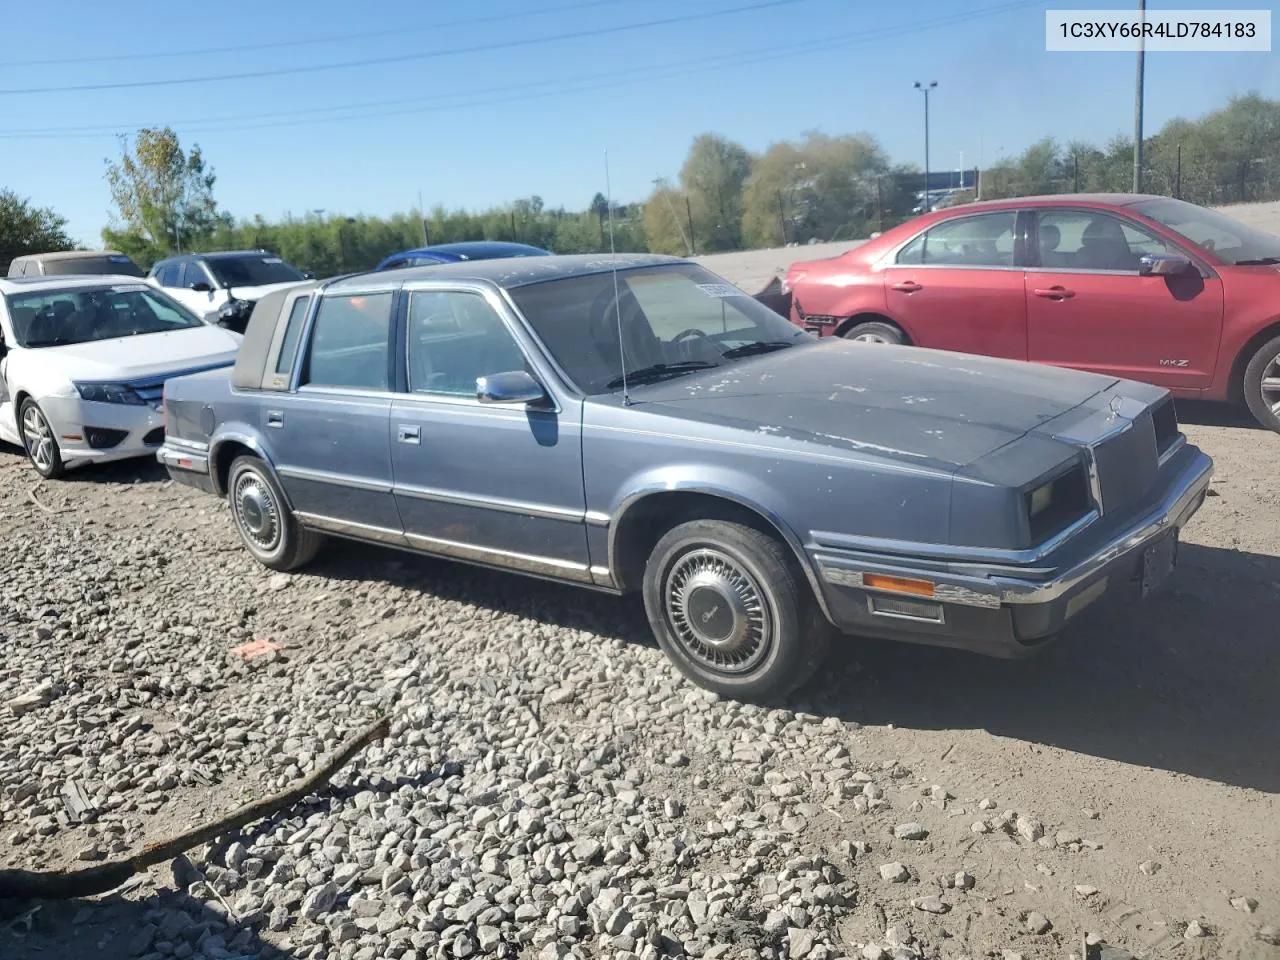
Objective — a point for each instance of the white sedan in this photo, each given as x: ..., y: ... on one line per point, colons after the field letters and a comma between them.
x: 83, y: 361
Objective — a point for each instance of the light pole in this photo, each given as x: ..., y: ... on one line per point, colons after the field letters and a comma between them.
x: 925, y: 88
x: 1137, y: 103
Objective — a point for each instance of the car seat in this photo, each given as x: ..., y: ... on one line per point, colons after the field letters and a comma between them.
x: 1104, y: 247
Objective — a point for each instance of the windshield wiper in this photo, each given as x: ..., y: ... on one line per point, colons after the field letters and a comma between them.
x: 660, y: 371
x: 1258, y: 262
x: 760, y: 346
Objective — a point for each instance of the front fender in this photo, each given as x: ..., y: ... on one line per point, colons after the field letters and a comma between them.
x: 724, y: 483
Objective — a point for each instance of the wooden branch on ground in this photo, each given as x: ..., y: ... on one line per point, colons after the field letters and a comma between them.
x: 68, y: 884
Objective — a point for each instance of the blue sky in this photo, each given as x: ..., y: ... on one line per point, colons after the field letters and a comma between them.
x: 488, y: 126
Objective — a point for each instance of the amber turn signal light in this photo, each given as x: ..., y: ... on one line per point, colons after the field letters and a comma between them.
x: 879, y: 581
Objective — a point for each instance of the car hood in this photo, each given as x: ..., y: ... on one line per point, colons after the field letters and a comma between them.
x: 144, y: 355
x: 933, y: 408
x: 257, y: 293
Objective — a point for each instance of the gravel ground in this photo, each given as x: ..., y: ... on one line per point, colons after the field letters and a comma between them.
x: 551, y: 789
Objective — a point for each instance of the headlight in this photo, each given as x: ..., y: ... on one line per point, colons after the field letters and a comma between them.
x: 109, y: 393
x: 1041, y: 499
x: 234, y: 309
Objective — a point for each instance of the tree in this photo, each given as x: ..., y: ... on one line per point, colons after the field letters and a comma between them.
x: 820, y: 188
x: 163, y: 194
x: 663, y: 225
x: 26, y: 229
x: 600, y: 207
x: 713, y: 176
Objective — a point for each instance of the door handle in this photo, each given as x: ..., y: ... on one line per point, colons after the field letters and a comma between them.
x: 408, y: 434
x: 275, y: 418
x: 906, y: 286
x: 1054, y: 293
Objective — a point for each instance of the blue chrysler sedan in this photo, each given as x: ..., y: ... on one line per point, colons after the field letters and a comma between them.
x: 637, y: 424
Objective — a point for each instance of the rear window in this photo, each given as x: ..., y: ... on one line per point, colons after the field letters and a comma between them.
x: 113, y: 265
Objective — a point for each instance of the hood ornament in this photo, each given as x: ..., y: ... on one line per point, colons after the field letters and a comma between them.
x: 1114, y: 407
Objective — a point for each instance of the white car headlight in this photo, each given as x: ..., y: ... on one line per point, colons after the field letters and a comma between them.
x: 109, y: 393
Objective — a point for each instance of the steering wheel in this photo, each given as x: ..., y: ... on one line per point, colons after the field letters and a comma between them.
x: 688, y: 335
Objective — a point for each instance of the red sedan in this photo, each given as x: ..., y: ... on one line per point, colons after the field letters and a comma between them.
x: 1146, y: 288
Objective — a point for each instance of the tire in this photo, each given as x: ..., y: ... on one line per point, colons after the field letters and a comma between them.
x: 875, y: 331
x: 39, y: 441
x: 1264, y: 401
x: 262, y: 519
x: 777, y: 649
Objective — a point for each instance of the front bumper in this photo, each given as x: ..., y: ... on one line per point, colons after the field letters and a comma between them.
x: 1004, y: 609
x: 122, y: 431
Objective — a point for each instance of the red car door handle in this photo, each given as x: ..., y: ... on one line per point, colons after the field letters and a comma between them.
x: 1055, y: 293
x: 906, y: 286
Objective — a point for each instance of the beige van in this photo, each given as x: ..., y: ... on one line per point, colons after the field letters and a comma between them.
x: 80, y: 262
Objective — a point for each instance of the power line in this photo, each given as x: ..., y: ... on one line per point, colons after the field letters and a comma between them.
x: 402, y: 58
x: 335, y: 38
x: 579, y: 83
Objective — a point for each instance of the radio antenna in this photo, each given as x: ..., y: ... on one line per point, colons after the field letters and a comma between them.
x: 613, y: 262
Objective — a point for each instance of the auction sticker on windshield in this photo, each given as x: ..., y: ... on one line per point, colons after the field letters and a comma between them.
x: 720, y: 290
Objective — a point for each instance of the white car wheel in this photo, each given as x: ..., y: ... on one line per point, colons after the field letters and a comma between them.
x: 39, y: 441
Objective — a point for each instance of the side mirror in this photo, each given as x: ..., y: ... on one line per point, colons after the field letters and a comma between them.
x: 308, y: 275
x: 200, y: 287
x: 1163, y: 264
x: 514, y: 386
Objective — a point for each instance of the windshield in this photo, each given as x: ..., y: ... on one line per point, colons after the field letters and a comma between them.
x: 118, y: 265
x: 55, y: 318
x: 675, y: 320
x: 252, y: 271
x: 1228, y: 239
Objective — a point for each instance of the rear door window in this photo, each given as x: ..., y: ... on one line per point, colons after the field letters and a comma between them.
x: 986, y: 240
x: 349, y: 344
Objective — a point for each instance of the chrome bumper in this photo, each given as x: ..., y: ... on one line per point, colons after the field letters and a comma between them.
x: 183, y: 458
x: 1000, y: 585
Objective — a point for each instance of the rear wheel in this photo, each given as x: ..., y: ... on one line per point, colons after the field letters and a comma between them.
x: 263, y: 521
x: 1262, y: 384
x: 39, y: 441
x: 874, y: 331
x: 731, y: 609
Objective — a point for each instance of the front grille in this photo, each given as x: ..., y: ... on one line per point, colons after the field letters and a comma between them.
x: 154, y: 437
x: 103, y: 438
x: 1126, y: 465
x: 149, y: 390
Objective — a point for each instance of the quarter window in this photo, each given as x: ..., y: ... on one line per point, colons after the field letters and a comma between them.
x: 454, y: 339
x: 293, y: 330
x: 1092, y: 240
x: 981, y: 241
x: 348, y: 346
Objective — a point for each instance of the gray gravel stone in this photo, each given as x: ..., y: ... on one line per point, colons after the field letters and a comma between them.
x: 1038, y: 923
x: 894, y: 872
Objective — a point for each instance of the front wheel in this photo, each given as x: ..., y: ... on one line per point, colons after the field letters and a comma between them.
x: 732, y: 611
x: 263, y: 520
x: 874, y: 331
x: 1262, y: 384
x: 39, y: 441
